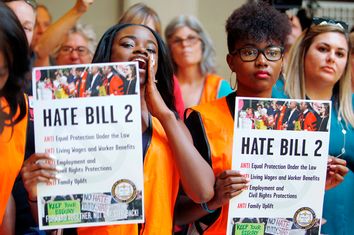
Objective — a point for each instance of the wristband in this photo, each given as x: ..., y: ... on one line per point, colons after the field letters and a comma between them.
x: 204, y: 205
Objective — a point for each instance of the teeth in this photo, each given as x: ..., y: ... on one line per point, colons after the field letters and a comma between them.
x: 142, y: 62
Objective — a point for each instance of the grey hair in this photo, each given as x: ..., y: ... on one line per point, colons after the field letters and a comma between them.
x: 208, y: 57
x: 87, y: 32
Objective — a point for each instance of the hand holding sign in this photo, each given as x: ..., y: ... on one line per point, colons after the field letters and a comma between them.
x: 229, y: 184
x: 336, y: 170
x: 39, y: 167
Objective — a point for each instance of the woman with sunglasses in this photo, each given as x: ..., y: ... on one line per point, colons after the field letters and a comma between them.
x: 14, y: 65
x: 319, y: 68
x: 193, y: 60
x: 256, y: 33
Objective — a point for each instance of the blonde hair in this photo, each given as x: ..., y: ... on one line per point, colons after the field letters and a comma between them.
x: 140, y: 13
x: 295, y: 75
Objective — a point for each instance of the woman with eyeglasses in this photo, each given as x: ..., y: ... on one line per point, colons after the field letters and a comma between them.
x: 14, y: 65
x: 48, y: 36
x: 78, y: 46
x: 256, y: 33
x: 193, y: 60
x: 319, y: 68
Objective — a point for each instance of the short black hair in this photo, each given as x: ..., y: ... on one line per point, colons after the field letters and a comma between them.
x: 164, y: 74
x: 257, y: 21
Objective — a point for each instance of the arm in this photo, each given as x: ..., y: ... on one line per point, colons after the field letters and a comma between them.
x: 197, y: 177
x: 55, y: 34
x: 228, y: 184
x: 8, y: 222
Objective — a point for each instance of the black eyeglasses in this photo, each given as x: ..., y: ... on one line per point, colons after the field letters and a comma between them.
x: 32, y: 3
x: 248, y: 54
x: 81, y: 50
x: 328, y: 21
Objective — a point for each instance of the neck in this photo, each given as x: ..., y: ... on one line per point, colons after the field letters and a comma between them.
x: 246, y: 92
x: 191, y: 74
x: 319, y: 92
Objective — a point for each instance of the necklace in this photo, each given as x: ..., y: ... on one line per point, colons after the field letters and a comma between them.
x: 344, y: 132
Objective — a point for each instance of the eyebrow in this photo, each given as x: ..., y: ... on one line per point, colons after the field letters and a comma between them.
x: 339, y: 48
x: 135, y: 38
x: 255, y: 45
x: 188, y: 35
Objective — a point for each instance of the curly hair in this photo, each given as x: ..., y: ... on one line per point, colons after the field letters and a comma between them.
x: 164, y: 72
x: 14, y: 47
x: 256, y: 21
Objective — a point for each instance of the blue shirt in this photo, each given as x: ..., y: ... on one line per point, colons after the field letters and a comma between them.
x: 338, y: 207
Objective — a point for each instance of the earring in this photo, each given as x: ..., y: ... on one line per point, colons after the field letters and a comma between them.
x: 234, y: 87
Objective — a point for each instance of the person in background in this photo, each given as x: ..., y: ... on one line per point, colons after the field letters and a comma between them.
x: 94, y: 82
x: 320, y: 70
x: 307, y: 117
x: 140, y: 13
x: 48, y: 38
x: 25, y: 10
x: 14, y: 66
x: 291, y: 116
x: 165, y: 162
x: 256, y: 34
x: 193, y: 58
x: 296, y: 30
x: 43, y: 21
x: 115, y: 85
x: 324, y: 116
x: 130, y: 78
x: 78, y: 46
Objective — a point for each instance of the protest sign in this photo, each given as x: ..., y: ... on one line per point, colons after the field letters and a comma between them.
x: 281, y: 146
x: 89, y: 118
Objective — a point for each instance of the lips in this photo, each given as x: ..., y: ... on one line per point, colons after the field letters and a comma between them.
x: 328, y: 69
x: 262, y: 74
